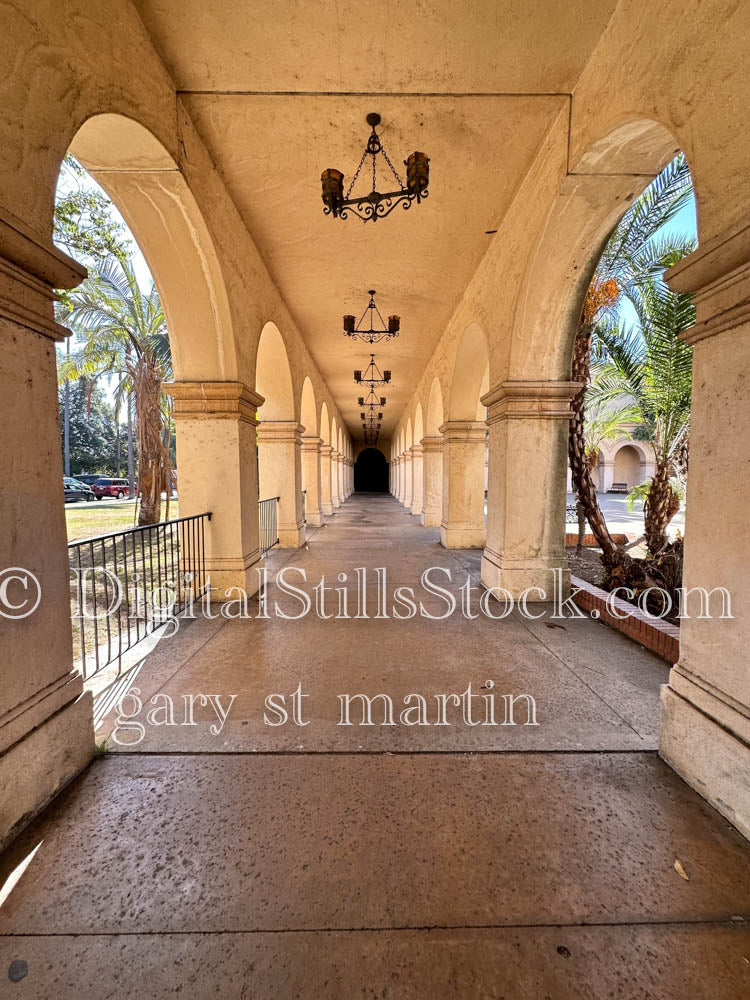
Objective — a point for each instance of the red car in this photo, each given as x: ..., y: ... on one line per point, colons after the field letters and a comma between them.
x: 106, y: 487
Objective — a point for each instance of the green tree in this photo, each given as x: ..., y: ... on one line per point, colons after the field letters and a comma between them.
x: 87, y: 229
x: 92, y: 429
x: 652, y: 367
x: 633, y: 254
x: 120, y: 331
x: 84, y: 225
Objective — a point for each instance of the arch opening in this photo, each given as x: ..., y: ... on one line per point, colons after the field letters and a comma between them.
x: 371, y: 471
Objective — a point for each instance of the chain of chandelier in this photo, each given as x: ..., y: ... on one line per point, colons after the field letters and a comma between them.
x: 369, y: 208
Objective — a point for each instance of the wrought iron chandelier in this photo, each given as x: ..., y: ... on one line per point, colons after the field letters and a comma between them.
x: 372, y: 375
x: 371, y: 401
x: 371, y: 426
x: 374, y: 205
x: 372, y: 336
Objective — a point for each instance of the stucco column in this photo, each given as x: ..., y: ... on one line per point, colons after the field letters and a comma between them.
x: 462, y: 522
x: 606, y: 475
x: 46, y: 727
x: 311, y: 479
x: 705, y: 721
x: 417, y: 478
x: 335, y: 495
x: 342, y: 488
x: 432, y: 471
x: 528, y: 424
x: 396, y: 463
x: 326, y: 503
x: 215, y: 423
x: 408, y: 481
x: 280, y: 470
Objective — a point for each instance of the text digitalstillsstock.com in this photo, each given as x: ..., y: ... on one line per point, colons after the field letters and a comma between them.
x: 365, y: 594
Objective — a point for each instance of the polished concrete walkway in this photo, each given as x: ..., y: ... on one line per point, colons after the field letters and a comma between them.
x: 320, y: 860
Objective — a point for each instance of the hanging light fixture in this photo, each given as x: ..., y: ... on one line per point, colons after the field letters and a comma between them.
x: 371, y: 401
x: 372, y: 375
x: 375, y: 205
x: 372, y: 335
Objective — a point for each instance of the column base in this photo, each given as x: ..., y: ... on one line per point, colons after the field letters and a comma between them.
x: 235, y: 573
x: 39, y: 765
x: 431, y: 518
x: 518, y: 575
x: 291, y: 538
x: 416, y: 509
x: 706, y: 750
x: 462, y: 536
x: 327, y: 509
x: 314, y: 518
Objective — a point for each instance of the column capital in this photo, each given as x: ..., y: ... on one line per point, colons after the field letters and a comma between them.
x: 416, y: 450
x: 311, y: 443
x: 523, y: 399
x: 432, y: 444
x: 464, y: 430
x: 214, y: 400
x: 327, y: 450
x: 280, y: 431
x: 31, y: 268
x: 718, y: 274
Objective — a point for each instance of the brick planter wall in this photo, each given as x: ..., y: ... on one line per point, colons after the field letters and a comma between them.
x: 658, y: 636
x: 590, y: 542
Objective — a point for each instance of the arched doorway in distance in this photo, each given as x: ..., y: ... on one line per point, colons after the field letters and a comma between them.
x: 371, y: 472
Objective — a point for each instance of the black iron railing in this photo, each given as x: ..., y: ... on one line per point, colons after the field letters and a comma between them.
x: 304, y: 506
x: 127, y: 584
x: 571, y: 513
x: 268, y: 523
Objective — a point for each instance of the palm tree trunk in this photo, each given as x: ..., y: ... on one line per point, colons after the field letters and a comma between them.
x: 658, y: 510
x: 583, y: 484
x: 581, y: 527
x: 152, y: 458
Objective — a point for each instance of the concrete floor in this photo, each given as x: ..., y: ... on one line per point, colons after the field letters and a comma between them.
x: 328, y: 861
x: 619, y: 517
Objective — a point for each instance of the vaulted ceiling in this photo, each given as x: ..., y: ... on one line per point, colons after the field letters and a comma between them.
x: 280, y: 91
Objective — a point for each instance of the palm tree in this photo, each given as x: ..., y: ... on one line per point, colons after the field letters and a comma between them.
x: 633, y: 253
x: 121, y: 331
x: 602, y: 423
x: 653, y: 367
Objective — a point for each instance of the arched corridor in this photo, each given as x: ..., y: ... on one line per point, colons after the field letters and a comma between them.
x: 540, y: 807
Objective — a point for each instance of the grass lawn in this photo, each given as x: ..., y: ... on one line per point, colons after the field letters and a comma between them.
x: 87, y: 520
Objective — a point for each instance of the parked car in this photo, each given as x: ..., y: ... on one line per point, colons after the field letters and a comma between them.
x: 106, y: 487
x: 90, y: 478
x: 75, y: 490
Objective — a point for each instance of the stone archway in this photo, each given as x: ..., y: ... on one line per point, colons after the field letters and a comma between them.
x: 279, y: 437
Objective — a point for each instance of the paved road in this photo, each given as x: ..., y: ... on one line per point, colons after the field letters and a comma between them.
x: 619, y: 518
